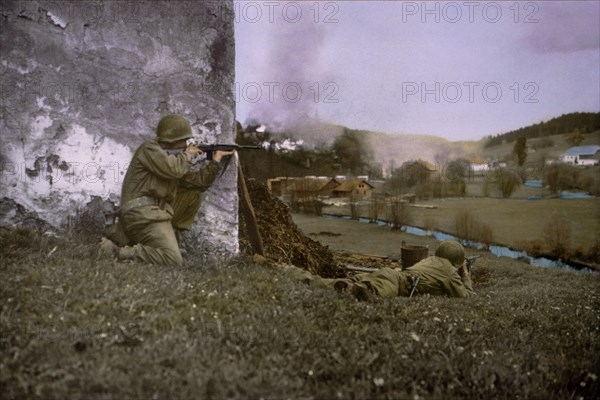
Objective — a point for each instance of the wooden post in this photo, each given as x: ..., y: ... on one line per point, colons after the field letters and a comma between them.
x: 249, y: 216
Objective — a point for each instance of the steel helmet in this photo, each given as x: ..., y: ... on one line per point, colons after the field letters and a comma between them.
x: 172, y: 128
x: 452, y: 251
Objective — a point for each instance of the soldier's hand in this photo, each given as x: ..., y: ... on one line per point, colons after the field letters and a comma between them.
x: 464, y: 270
x: 219, y: 154
x: 193, y: 150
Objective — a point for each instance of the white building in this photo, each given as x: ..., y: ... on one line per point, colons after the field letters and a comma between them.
x: 582, y: 155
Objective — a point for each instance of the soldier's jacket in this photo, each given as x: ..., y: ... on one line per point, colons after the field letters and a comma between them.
x: 154, y: 173
x: 439, y: 277
x: 177, y: 190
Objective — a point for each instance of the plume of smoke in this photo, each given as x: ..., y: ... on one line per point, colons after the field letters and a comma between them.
x: 289, y: 72
x: 391, y: 151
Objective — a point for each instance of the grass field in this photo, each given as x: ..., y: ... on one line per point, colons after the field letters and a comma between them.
x: 512, y: 221
x: 72, y: 327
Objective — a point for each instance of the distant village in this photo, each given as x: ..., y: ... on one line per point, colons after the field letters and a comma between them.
x: 361, y: 188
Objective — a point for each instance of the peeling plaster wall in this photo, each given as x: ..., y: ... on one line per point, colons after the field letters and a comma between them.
x: 82, y: 84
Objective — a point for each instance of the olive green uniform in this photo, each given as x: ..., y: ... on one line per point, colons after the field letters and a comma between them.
x: 437, y: 277
x: 171, y: 196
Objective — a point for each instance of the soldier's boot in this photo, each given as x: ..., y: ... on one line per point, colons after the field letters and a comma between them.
x: 107, y: 249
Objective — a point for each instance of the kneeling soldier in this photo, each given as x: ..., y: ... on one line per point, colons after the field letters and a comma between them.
x: 160, y: 193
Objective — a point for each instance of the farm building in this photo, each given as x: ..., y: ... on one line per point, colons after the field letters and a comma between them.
x: 418, y: 171
x: 312, y: 187
x: 477, y: 164
x: 279, y: 186
x: 355, y: 188
x: 582, y: 155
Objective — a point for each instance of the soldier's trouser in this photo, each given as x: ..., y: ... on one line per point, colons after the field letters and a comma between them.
x: 313, y: 280
x: 155, y: 238
x: 185, y: 207
x: 386, y: 282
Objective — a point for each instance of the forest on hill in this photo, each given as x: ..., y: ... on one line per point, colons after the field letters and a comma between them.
x: 585, y: 122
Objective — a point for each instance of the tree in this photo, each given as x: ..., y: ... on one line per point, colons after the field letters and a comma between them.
x: 557, y: 233
x: 520, y: 149
x: 574, y: 138
x: 507, y: 182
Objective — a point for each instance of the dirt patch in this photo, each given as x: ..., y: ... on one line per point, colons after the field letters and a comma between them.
x: 283, y: 241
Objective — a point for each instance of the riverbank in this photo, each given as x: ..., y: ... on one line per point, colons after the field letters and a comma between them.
x: 346, y: 235
x: 513, y: 222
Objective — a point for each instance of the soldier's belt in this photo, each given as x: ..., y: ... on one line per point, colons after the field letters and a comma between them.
x: 139, y: 202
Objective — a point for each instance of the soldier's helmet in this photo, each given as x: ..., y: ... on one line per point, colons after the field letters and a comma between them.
x: 452, y: 251
x: 172, y: 128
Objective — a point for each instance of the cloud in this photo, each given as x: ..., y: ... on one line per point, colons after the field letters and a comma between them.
x: 564, y: 28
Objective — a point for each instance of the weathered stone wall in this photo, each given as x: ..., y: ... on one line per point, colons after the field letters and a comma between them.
x: 84, y: 83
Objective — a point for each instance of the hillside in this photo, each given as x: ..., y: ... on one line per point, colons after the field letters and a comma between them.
x: 586, y: 122
x: 330, y: 149
x: 539, y: 149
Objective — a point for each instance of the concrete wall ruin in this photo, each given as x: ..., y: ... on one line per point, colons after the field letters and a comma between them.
x: 84, y: 83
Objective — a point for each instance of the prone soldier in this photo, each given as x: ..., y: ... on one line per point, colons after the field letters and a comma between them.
x: 445, y: 274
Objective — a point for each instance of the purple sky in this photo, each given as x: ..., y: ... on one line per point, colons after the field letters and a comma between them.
x: 460, y: 70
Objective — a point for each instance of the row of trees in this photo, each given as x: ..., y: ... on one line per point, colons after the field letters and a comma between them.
x: 583, y: 122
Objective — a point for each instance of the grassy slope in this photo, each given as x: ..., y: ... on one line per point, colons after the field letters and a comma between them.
x: 72, y: 327
x: 560, y: 145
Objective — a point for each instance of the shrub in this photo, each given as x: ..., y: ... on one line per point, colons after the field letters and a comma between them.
x: 466, y: 226
x: 589, y: 184
x: 507, y: 182
x: 316, y: 207
x: 398, y: 213
x: 593, y: 253
x: 558, y: 235
x: 438, y: 189
x: 375, y: 208
x: 487, y: 235
x: 532, y: 247
x: 560, y: 177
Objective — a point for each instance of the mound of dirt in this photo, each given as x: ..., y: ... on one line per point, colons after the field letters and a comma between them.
x: 282, y: 240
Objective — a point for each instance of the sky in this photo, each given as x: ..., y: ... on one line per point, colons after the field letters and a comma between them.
x: 459, y: 70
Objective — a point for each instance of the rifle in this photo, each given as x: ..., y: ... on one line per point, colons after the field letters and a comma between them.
x: 209, y: 149
x: 471, y: 260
